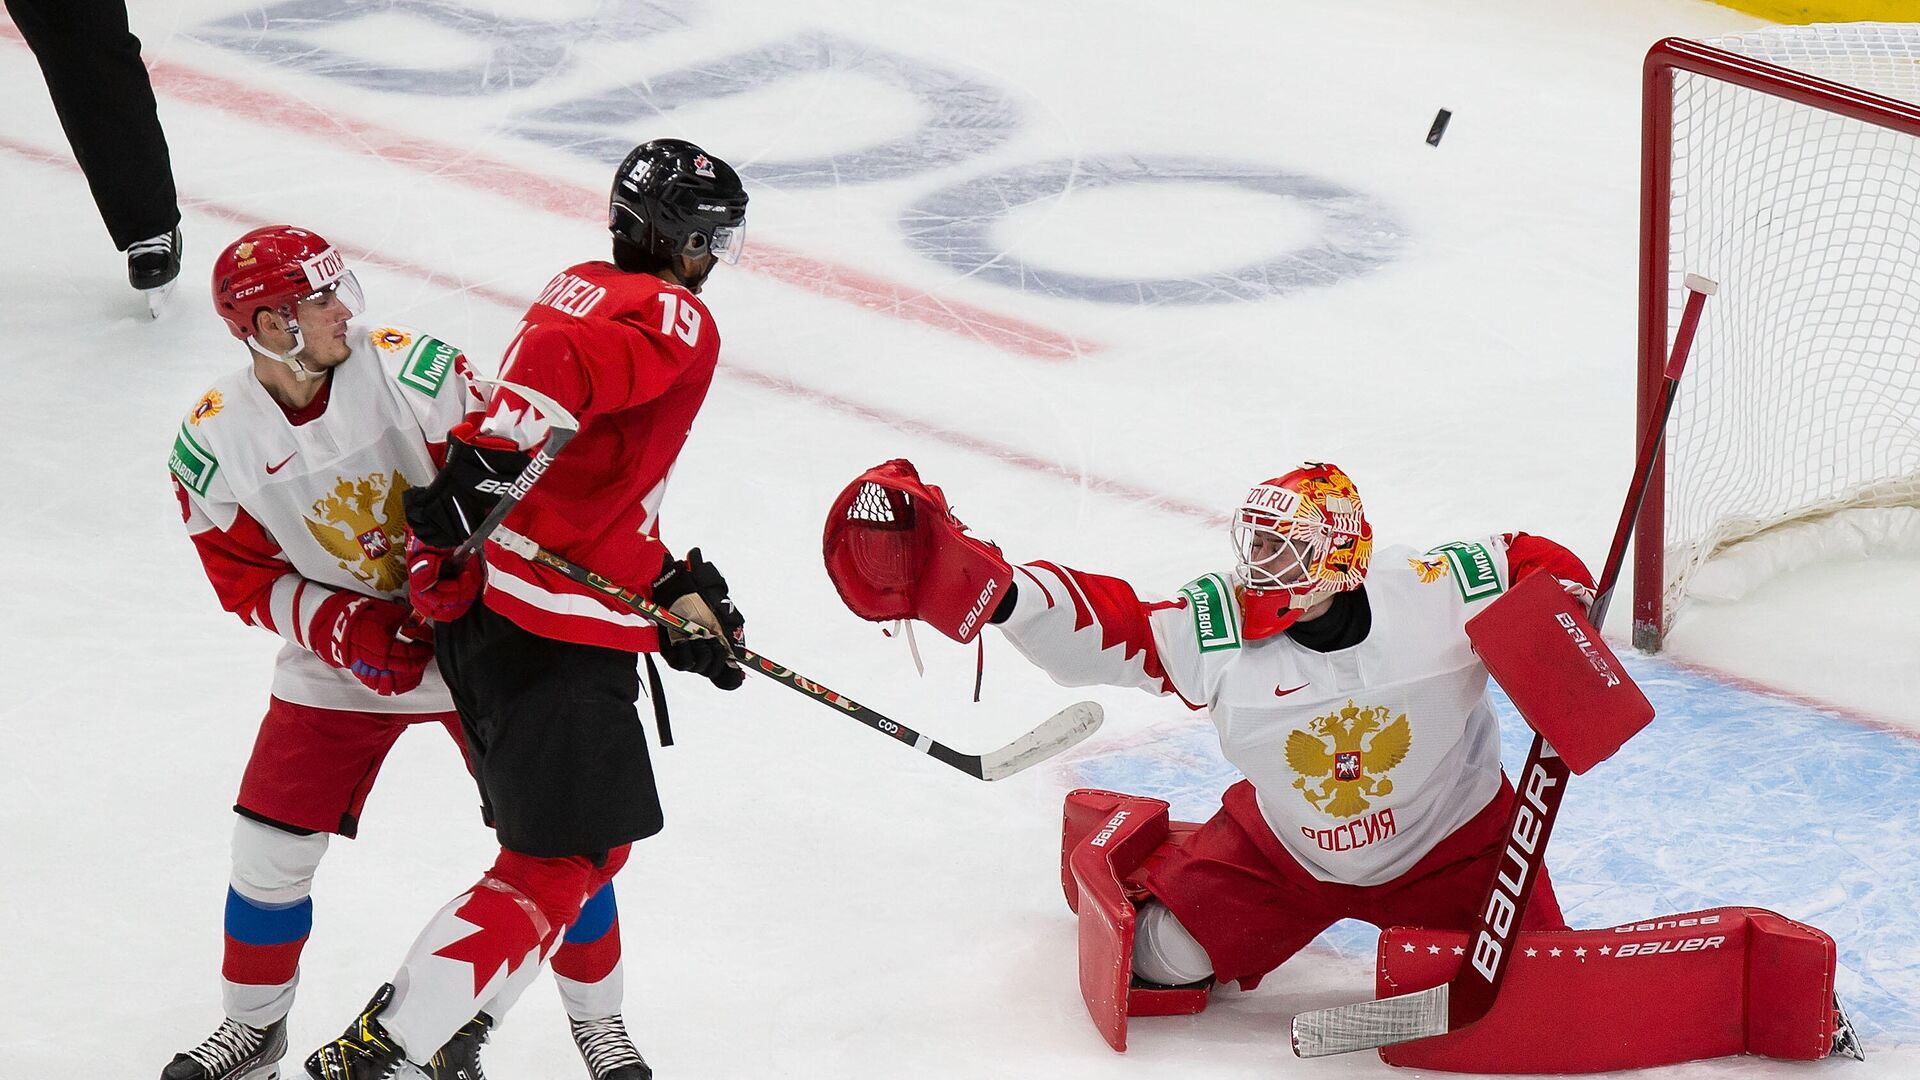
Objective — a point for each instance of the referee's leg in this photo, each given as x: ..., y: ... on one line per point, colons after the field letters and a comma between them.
x: 101, y: 92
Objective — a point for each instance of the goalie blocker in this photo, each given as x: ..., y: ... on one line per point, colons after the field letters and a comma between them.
x: 1732, y: 980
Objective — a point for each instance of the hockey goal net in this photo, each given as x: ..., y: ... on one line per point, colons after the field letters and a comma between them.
x: 1784, y: 164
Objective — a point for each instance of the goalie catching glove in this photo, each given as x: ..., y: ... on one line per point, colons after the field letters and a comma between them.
x: 896, y: 551
x: 479, y: 470
x: 693, y: 589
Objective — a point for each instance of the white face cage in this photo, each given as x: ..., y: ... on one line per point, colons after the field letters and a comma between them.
x: 1278, y: 554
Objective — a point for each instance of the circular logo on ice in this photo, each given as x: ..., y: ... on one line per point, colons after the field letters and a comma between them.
x: 1353, y: 232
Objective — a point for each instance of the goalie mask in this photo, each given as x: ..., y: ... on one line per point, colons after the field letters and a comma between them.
x: 1300, y: 539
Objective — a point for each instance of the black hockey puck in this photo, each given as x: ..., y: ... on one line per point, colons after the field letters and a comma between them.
x: 1439, y: 127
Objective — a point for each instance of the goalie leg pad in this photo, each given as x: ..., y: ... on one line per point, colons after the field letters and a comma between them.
x: 1107, y: 838
x: 1703, y: 984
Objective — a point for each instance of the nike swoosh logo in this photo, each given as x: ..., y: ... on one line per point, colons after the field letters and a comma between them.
x: 1277, y: 692
x: 271, y: 469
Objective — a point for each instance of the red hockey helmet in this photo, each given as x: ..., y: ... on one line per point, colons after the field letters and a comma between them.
x: 1300, y: 539
x: 274, y: 268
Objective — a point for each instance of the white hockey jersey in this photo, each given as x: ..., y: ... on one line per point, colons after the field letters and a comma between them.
x: 285, y: 510
x: 1362, y: 758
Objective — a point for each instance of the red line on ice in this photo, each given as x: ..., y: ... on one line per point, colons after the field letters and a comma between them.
x: 443, y: 161
x: 898, y: 421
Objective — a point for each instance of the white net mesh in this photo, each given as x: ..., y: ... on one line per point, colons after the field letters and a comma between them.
x: 1802, y: 396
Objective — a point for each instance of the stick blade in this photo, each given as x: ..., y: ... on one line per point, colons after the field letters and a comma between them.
x: 1062, y: 730
x: 1369, y: 1025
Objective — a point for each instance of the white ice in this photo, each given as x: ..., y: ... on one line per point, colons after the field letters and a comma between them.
x: 822, y: 903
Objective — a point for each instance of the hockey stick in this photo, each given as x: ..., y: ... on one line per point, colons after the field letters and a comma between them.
x: 563, y: 426
x: 1058, y: 732
x: 1453, y: 1005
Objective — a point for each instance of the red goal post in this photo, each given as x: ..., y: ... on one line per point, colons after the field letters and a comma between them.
x: 1785, y: 164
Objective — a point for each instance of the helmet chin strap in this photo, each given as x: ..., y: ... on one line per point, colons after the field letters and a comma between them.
x: 291, y: 358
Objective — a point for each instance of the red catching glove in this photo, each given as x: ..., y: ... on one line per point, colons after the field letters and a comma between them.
x: 359, y: 634
x: 895, y: 551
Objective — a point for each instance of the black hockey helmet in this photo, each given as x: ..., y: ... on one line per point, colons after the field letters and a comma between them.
x: 671, y: 198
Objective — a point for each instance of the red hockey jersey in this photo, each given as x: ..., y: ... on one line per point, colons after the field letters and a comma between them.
x: 631, y: 356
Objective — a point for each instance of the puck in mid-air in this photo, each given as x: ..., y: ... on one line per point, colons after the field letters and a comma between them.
x: 1439, y: 127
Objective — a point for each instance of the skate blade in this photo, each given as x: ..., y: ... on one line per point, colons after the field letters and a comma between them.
x: 156, y: 300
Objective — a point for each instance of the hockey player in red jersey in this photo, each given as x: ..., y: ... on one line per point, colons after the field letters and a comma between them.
x: 291, y: 473
x: 1342, y: 685
x: 543, y: 671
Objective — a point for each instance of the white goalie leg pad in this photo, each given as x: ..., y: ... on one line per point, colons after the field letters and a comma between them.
x: 1164, y: 952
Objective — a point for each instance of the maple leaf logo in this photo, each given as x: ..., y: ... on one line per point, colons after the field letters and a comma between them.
x: 503, y: 936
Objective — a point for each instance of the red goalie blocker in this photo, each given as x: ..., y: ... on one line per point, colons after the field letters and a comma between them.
x: 896, y: 551
x: 1732, y: 980
x: 1563, y: 679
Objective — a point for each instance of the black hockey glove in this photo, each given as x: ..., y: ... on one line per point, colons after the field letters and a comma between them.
x: 479, y: 470
x: 693, y: 589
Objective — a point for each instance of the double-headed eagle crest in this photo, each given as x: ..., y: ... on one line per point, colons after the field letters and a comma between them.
x: 364, y: 525
x: 1338, y: 750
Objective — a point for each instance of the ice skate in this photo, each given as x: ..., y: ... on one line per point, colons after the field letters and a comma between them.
x: 608, y: 1052
x: 460, y: 1058
x: 233, y: 1052
x: 153, y: 265
x: 365, y: 1051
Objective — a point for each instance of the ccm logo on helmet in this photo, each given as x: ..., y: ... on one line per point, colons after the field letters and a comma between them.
x: 1580, y: 641
x: 1106, y: 832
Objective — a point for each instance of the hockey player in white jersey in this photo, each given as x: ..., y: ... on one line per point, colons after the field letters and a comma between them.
x: 1341, y: 682
x: 290, y: 473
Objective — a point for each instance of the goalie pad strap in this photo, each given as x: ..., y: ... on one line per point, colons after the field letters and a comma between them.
x: 1732, y: 980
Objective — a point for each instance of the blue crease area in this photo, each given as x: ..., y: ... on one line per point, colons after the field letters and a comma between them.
x: 1730, y: 797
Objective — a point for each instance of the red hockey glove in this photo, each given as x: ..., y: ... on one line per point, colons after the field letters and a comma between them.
x: 439, y: 516
x: 895, y: 551
x: 440, y: 590
x: 694, y: 590
x: 358, y: 634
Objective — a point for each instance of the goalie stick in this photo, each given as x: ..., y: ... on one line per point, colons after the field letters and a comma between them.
x: 1368, y: 1025
x: 1058, y: 732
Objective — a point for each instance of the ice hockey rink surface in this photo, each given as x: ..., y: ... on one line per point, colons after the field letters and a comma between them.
x: 1095, y: 269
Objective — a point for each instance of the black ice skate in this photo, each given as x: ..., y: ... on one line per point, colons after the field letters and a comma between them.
x: 365, y: 1051
x: 608, y: 1052
x: 152, y: 266
x: 1845, y: 1042
x: 233, y: 1052
x: 460, y: 1058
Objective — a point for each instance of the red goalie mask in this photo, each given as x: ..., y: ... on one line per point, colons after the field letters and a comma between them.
x: 1300, y: 539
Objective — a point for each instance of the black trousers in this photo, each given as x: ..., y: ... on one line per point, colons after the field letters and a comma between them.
x: 100, y: 90
x: 555, y: 739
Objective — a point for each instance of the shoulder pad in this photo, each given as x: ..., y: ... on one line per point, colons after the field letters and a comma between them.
x: 1476, y: 567
x: 418, y: 361
x: 1215, y: 611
